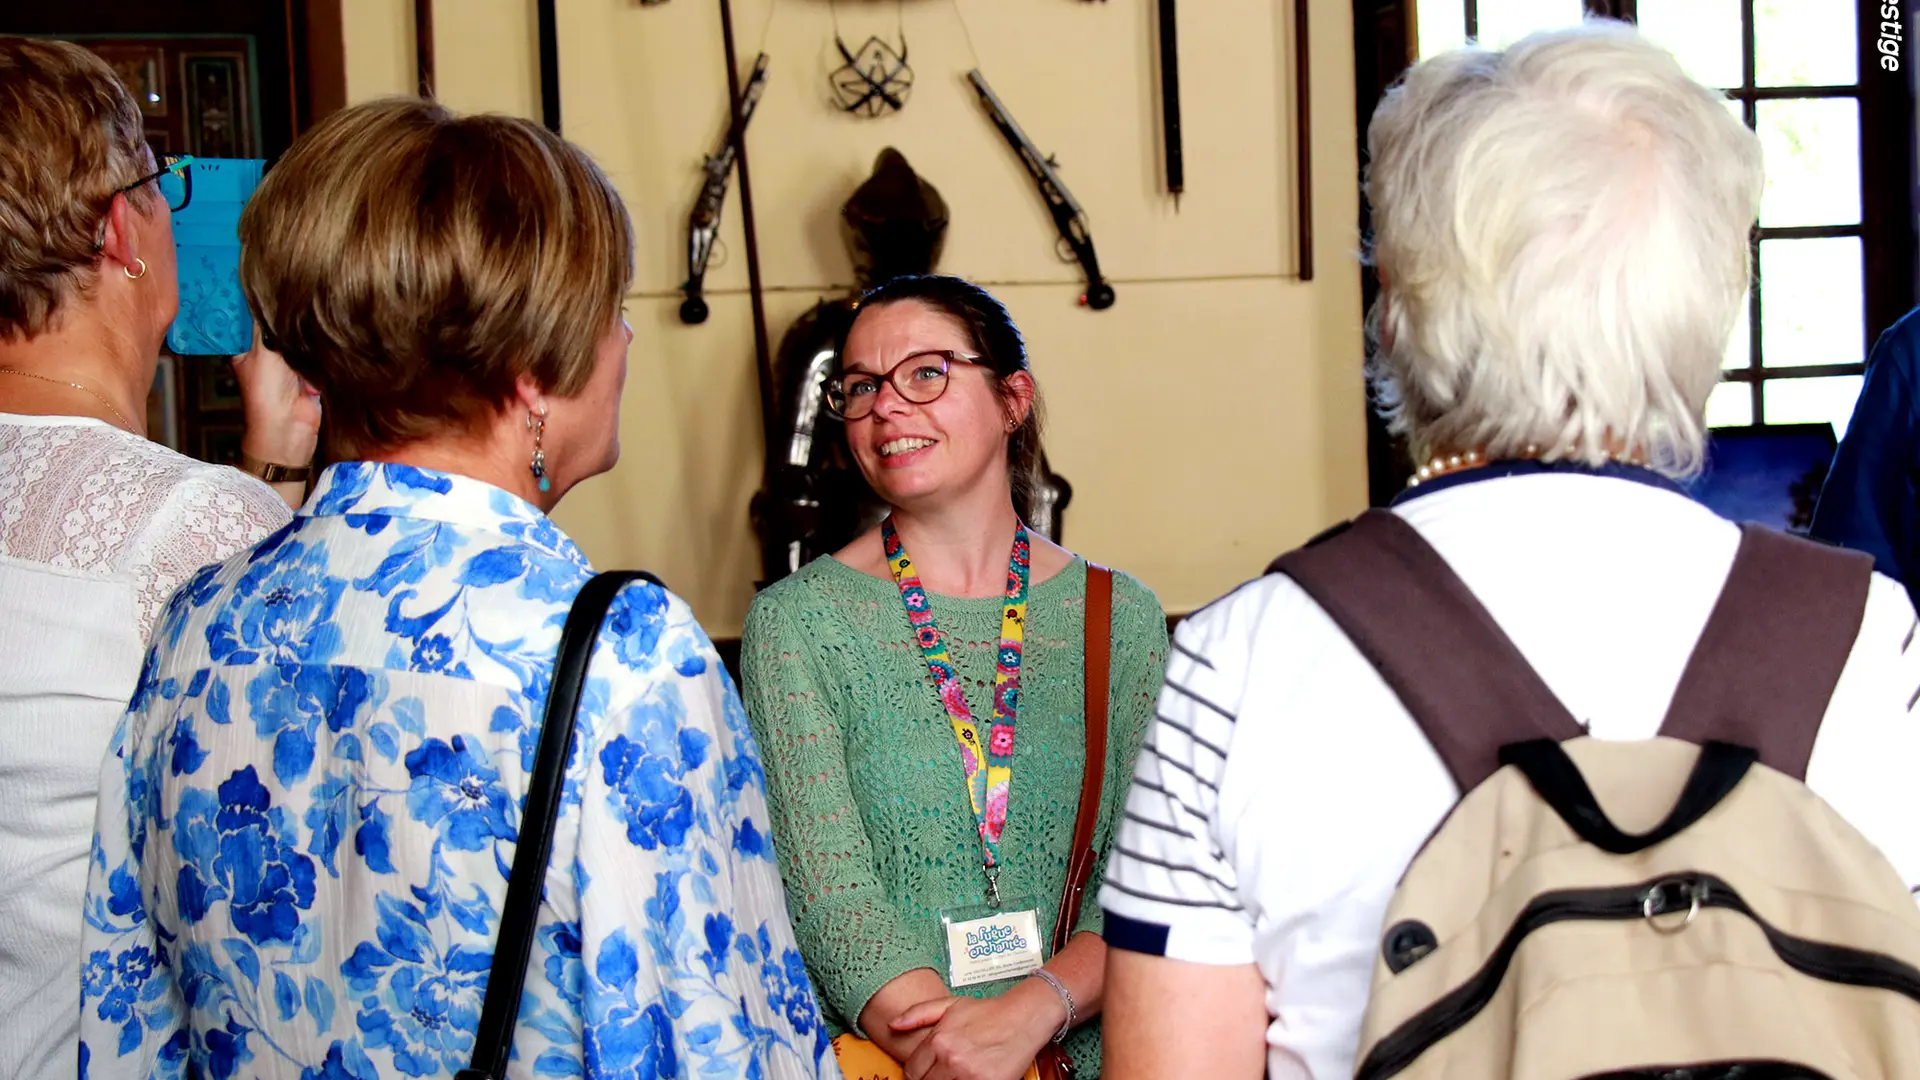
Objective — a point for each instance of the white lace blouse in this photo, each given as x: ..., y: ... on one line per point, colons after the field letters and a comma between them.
x: 97, y: 528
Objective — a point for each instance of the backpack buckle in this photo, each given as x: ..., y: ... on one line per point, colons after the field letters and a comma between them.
x: 1667, y: 897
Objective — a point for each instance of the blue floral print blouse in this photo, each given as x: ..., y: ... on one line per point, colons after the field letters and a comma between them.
x: 307, y: 819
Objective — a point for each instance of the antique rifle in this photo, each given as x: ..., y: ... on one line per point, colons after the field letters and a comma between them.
x: 1068, y: 218
x: 703, y: 225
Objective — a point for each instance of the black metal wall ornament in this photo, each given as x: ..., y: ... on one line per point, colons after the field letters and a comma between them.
x: 876, y: 78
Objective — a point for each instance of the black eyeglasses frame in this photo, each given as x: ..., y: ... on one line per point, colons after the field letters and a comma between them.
x: 179, y: 164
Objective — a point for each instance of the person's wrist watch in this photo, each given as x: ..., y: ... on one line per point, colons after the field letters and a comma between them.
x: 272, y: 471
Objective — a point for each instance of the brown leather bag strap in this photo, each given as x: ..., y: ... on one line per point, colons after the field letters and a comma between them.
x: 1772, y: 652
x: 1099, y: 653
x: 1435, y: 645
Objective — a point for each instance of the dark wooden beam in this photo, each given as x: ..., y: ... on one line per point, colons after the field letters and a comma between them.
x: 1303, y: 135
x: 1384, y: 44
x: 324, y: 46
x: 423, y: 69
x: 1171, y: 144
x: 756, y: 293
x: 549, y: 66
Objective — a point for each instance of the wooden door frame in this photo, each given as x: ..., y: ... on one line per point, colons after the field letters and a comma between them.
x: 307, y: 43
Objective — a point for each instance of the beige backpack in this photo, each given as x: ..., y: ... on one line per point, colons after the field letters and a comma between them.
x: 1678, y: 908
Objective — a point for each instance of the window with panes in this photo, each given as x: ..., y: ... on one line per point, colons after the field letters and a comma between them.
x: 1803, y: 74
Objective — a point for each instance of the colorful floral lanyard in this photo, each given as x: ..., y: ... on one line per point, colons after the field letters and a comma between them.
x: 989, y: 781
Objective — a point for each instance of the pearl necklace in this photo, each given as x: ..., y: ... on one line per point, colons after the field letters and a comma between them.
x: 1451, y: 463
x: 117, y: 414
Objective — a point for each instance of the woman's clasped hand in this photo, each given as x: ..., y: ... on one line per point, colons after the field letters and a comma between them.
x: 966, y: 1038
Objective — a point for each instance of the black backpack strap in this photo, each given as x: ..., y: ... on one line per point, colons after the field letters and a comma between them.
x: 1772, y: 652
x: 493, y: 1042
x: 1435, y: 645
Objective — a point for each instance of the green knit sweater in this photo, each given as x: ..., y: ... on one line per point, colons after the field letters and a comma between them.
x: 870, y: 816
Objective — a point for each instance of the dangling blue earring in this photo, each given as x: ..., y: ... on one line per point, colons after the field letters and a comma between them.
x: 537, y: 423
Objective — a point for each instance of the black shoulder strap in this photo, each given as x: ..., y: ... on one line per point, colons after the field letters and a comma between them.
x: 1435, y: 645
x: 1773, y: 649
x: 500, y: 1009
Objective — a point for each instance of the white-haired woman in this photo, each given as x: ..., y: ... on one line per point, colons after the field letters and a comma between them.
x: 1561, y: 233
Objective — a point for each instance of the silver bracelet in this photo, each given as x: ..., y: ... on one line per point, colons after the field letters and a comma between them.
x: 1066, y: 998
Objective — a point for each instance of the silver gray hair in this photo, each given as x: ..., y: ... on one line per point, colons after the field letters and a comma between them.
x: 1561, y: 232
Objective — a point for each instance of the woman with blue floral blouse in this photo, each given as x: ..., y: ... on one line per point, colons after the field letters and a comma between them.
x: 306, y: 825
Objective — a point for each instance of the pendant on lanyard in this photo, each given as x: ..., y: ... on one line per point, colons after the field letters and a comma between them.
x: 996, y: 944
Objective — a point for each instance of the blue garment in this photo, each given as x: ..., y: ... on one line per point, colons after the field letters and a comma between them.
x: 1869, y: 502
x: 306, y: 824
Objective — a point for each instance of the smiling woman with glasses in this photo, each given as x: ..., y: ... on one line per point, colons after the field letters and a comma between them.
x: 920, y: 378
x: 925, y: 700
x: 98, y: 526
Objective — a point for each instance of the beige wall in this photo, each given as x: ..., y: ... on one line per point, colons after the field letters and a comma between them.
x: 1211, y: 418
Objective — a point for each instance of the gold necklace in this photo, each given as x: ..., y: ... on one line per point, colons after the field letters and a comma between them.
x: 1452, y: 463
x: 118, y: 415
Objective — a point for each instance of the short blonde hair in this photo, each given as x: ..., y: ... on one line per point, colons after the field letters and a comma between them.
x: 1561, y: 231
x: 70, y: 136
x: 411, y: 264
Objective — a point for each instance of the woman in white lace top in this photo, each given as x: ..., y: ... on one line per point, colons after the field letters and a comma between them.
x: 98, y: 525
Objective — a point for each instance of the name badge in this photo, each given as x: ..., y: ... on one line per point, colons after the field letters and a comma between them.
x: 1000, y: 944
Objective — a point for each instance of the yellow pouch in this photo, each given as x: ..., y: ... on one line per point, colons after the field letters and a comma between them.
x: 860, y: 1059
